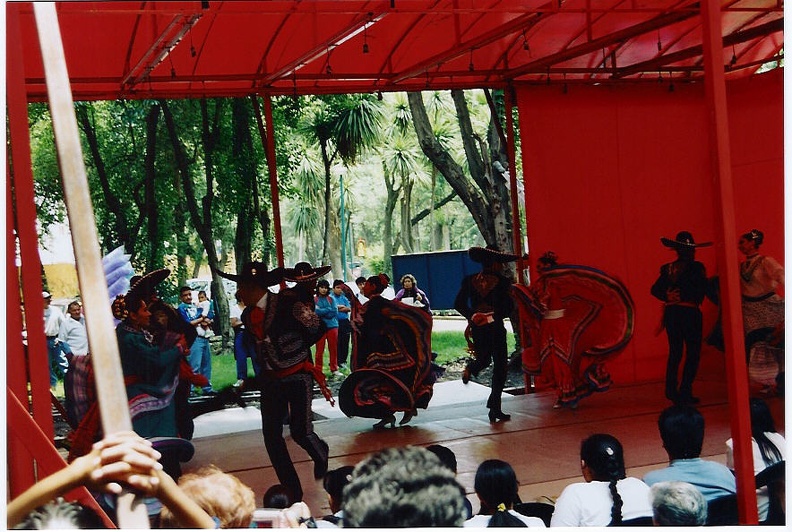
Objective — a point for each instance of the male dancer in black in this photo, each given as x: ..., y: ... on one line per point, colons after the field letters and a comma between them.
x: 284, y: 328
x: 681, y: 286
x: 485, y: 300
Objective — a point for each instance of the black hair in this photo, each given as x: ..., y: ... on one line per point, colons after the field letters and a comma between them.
x: 682, y: 431
x: 322, y: 283
x: 360, y: 280
x: 183, y: 289
x: 604, y: 457
x: 338, y: 282
x: 380, y: 281
x: 755, y: 236
x: 503, y: 518
x: 334, y: 483
x: 445, y: 455
x: 60, y: 514
x: 761, y: 422
x: 278, y: 496
x: 495, y: 484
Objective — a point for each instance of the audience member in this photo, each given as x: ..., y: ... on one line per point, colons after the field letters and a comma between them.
x: 200, y: 355
x: 449, y: 460
x: 496, y: 487
x: 244, y: 343
x: 411, y: 294
x: 326, y: 308
x: 682, y: 431
x: 207, y: 311
x: 678, y: 504
x: 62, y: 515
x: 334, y: 483
x: 360, y: 281
x: 344, y: 306
x: 122, y: 457
x: 220, y: 495
x: 608, y: 496
x: 768, y: 448
x: 403, y: 487
x: 53, y: 317
x: 278, y: 496
x: 78, y: 384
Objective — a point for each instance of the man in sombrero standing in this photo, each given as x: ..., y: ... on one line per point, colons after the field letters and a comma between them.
x: 681, y: 286
x: 284, y: 328
x: 485, y: 300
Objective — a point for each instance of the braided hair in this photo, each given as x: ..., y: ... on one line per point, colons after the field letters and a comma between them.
x: 604, y: 456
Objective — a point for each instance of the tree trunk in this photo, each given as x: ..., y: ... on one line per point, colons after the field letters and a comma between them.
x: 122, y: 223
x: 154, y: 258
x: 390, y: 205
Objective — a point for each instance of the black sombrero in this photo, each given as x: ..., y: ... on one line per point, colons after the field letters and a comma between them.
x: 684, y: 240
x: 304, y: 272
x: 254, y: 272
x: 489, y: 255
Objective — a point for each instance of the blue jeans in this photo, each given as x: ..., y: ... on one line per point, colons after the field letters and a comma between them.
x: 201, y: 360
x: 57, y: 360
x: 244, y: 348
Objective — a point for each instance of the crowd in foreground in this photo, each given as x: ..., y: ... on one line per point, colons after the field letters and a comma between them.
x: 414, y: 487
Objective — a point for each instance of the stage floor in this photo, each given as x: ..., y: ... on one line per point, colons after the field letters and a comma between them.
x: 542, y: 444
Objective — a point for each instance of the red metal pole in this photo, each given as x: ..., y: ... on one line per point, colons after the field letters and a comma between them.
x: 267, y: 134
x: 25, y: 208
x: 736, y: 372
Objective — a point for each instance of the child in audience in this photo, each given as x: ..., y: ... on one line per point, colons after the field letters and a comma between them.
x: 496, y: 487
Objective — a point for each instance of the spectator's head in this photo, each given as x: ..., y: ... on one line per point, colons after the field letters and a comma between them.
x: 221, y: 495
x: 202, y: 296
x: 61, y: 515
x: 761, y: 423
x: 360, y: 281
x: 185, y: 294
x: 334, y: 483
x: 278, y: 496
x: 75, y: 310
x: 375, y: 285
x: 338, y: 287
x: 496, y: 487
x: 322, y: 287
x: 678, y: 504
x: 48, y: 297
x: 408, y: 281
x: 403, y: 487
x: 682, y: 431
x: 445, y: 455
x: 602, y: 459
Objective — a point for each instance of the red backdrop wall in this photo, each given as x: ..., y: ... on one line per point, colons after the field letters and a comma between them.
x: 610, y: 169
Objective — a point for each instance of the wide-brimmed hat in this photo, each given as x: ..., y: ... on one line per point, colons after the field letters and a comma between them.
x: 684, y: 240
x: 489, y: 255
x: 255, y: 272
x: 144, y: 286
x: 304, y: 272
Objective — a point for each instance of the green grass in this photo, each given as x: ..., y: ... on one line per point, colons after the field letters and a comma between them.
x: 449, y: 346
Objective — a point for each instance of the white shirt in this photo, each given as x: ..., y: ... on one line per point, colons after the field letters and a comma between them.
x: 481, y: 521
x: 235, y: 312
x: 52, y: 320
x: 73, y: 333
x: 590, y: 503
x: 762, y: 499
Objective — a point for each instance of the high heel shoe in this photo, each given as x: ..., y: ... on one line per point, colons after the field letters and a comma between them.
x: 407, y: 417
x: 498, y: 416
x: 384, y: 422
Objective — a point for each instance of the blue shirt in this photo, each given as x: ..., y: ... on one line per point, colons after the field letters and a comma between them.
x: 341, y: 300
x: 326, y: 309
x: 713, y: 480
x: 188, y: 311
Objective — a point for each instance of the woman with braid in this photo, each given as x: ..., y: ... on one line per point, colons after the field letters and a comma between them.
x: 608, y: 496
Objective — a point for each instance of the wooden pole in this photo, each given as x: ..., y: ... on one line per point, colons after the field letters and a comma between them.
x: 736, y: 371
x: 111, y: 392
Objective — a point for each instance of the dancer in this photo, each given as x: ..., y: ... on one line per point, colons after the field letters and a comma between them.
x: 484, y: 299
x: 763, y: 311
x: 682, y: 285
x: 572, y: 319
x: 391, y: 359
x: 285, y: 327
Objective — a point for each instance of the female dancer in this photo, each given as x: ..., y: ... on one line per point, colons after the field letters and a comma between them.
x: 391, y: 359
x: 763, y: 309
x: 496, y: 487
x: 608, y: 496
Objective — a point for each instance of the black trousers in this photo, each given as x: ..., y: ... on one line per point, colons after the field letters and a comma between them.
x: 291, y: 395
x: 683, y: 327
x: 344, y: 333
x: 489, y: 342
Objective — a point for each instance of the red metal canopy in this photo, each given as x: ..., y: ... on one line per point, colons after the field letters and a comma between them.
x: 227, y: 48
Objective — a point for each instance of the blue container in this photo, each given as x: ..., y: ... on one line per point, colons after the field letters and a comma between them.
x: 438, y: 273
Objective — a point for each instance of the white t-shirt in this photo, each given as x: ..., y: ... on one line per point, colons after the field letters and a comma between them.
x: 762, y: 499
x: 590, y: 503
x: 481, y: 521
x: 53, y: 317
x: 73, y: 333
